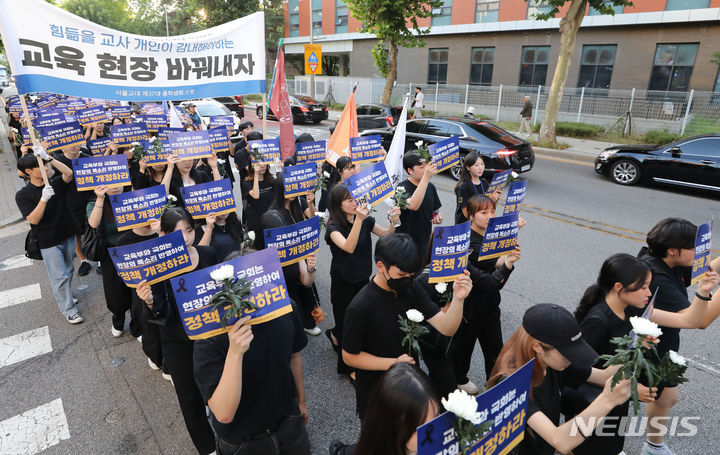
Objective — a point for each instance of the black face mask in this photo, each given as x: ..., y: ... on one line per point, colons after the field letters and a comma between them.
x: 399, y: 284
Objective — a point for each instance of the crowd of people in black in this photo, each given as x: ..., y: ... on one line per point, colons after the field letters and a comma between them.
x: 251, y: 378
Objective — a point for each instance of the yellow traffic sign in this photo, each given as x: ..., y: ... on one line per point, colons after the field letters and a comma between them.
x: 313, y: 59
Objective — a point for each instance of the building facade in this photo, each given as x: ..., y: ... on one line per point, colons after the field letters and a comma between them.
x: 663, y: 45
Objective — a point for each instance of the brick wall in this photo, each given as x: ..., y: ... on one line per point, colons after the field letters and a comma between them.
x: 512, y: 10
x: 328, y: 17
x: 304, y: 6
x: 286, y: 14
x: 463, y: 12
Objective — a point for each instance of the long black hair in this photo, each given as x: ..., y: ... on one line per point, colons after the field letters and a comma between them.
x: 400, y: 402
x: 469, y: 160
x: 295, y: 211
x: 172, y: 216
x: 621, y: 268
x: 338, y: 194
x: 235, y: 228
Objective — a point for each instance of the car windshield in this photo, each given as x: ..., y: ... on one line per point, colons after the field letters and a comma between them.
x: 210, y: 110
x: 481, y: 130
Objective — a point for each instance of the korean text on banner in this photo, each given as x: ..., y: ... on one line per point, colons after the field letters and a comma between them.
x: 110, y: 170
x: 208, y: 198
x: 49, y: 118
x: 366, y: 148
x: 299, y: 179
x: 157, y: 153
x: 228, y: 121
x: 121, y: 112
x: 294, y: 242
x: 445, y: 154
x: 153, y: 260
x: 63, y: 135
x: 498, y: 181
x: 91, y: 115
x: 129, y: 133
x: 505, y: 405
x: 194, y: 290
x: 63, y: 53
x: 371, y: 185
x: 268, y: 148
x: 515, y: 196
x: 98, y: 146
x: 450, y: 248
x: 703, y: 246
x: 154, y: 122
x: 310, y: 151
x: 500, y: 237
x: 219, y: 139
x: 138, y: 208
x: 163, y: 133
x: 190, y: 145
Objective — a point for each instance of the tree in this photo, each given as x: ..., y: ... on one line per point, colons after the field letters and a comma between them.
x: 110, y: 13
x: 388, y: 20
x: 569, y: 26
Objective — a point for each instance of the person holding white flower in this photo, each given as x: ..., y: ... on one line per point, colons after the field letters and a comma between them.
x: 471, y: 183
x: 372, y: 338
x: 224, y: 233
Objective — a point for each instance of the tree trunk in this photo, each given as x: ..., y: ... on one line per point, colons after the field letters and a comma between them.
x: 569, y: 26
x: 392, y: 74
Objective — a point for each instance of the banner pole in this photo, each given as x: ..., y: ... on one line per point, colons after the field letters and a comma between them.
x: 265, y: 114
x: 34, y: 138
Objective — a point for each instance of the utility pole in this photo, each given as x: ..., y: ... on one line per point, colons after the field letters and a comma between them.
x: 312, y: 75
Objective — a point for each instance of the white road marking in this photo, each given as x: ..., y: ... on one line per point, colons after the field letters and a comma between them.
x: 15, y: 262
x: 20, y: 295
x: 23, y: 346
x: 35, y: 430
x: 703, y: 364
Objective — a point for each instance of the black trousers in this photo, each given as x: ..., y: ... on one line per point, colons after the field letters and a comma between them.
x: 178, y: 357
x: 482, y: 323
x: 290, y: 438
x: 118, y: 297
x: 434, y: 348
x: 341, y: 294
x: 151, y: 343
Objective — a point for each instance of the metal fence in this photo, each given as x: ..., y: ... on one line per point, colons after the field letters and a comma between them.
x: 690, y: 113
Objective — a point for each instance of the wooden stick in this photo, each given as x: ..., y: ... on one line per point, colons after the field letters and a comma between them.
x: 35, y: 141
x: 265, y: 114
x: 3, y: 101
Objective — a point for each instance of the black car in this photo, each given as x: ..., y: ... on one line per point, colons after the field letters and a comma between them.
x: 377, y: 115
x: 233, y: 104
x: 304, y: 109
x: 693, y: 162
x: 500, y: 149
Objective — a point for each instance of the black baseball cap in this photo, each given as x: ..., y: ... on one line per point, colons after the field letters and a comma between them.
x: 554, y: 325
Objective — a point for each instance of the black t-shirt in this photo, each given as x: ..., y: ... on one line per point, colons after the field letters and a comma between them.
x: 176, y: 184
x: 488, y: 280
x: 268, y: 389
x: 418, y: 223
x: 371, y: 325
x: 257, y: 207
x: 356, y: 266
x: 464, y: 192
x: 56, y: 224
x: 242, y: 159
x: 601, y: 324
x: 222, y: 242
x: 76, y: 200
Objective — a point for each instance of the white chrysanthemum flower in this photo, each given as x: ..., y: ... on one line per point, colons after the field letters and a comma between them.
x: 251, y: 235
x: 441, y: 287
x: 643, y: 326
x: 414, y: 315
x: 326, y: 174
x: 226, y: 272
x: 135, y: 144
x: 324, y: 215
x: 220, y: 161
x: 154, y: 139
x: 171, y: 198
x: 419, y: 143
x: 677, y: 358
x: 254, y: 145
x: 514, y: 174
x: 462, y: 405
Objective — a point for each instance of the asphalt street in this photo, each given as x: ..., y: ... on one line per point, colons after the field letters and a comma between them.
x: 85, y: 392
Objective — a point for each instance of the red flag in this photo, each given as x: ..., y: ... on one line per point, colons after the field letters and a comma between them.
x: 347, y: 127
x: 280, y: 105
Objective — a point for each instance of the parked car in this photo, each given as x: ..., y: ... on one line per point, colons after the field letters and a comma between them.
x: 500, y: 149
x: 207, y: 108
x: 377, y: 115
x: 692, y: 162
x: 304, y: 109
x: 232, y: 103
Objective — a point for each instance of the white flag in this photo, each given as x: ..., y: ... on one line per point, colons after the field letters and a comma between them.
x: 394, y: 158
x: 175, y: 121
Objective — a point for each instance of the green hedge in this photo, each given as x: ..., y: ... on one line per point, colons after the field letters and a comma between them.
x: 571, y: 129
x: 660, y: 137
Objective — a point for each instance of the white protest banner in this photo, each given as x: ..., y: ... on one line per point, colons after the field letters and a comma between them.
x: 52, y: 50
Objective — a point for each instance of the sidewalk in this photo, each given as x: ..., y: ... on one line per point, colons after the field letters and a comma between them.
x: 584, y: 150
x: 9, y: 181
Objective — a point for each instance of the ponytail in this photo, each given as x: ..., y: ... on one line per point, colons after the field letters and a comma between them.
x: 592, y: 296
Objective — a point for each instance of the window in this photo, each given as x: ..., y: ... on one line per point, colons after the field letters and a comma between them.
x: 486, y: 11
x: 673, y: 66
x: 593, y: 12
x: 317, y: 17
x: 536, y: 7
x: 341, y: 17
x: 294, y: 17
x: 596, y: 66
x: 415, y: 126
x: 443, y: 129
x: 534, y: 65
x: 362, y: 109
x: 441, y: 16
x: 375, y: 110
x: 686, y: 4
x: 481, y: 65
x: 701, y: 147
x: 437, y: 66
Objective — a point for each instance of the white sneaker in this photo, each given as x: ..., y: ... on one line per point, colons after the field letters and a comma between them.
x: 166, y: 376
x: 315, y: 331
x: 139, y: 339
x: 115, y: 332
x: 650, y: 450
x: 74, y: 318
x: 469, y: 388
x: 153, y: 366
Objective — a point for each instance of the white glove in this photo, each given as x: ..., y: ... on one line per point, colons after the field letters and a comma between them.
x: 47, y: 193
x: 40, y: 151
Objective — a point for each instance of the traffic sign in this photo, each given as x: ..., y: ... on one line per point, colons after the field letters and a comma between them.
x: 313, y: 59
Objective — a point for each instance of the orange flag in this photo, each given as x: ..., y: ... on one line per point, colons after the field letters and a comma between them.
x: 347, y: 127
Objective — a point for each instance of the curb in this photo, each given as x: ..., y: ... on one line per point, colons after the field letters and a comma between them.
x: 566, y: 154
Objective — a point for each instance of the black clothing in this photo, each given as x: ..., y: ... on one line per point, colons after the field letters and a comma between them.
x: 141, y: 180
x: 418, y: 223
x: 356, y: 266
x: 242, y: 159
x: 77, y: 201
x: 371, y: 325
x: 222, y: 242
x: 256, y: 208
x: 176, y: 184
x: 55, y: 226
x: 527, y: 109
x: 463, y: 193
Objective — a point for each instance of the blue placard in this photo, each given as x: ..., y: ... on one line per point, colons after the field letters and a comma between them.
x: 299, y: 179
x: 153, y: 260
x: 500, y: 237
x: 310, y: 151
x: 450, y: 248
x: 155, y: 122
x: 194, y: 290
x: 294, y: 242
x: 219, y: 139
x: 515, y: 196
x: 158, y: 158
x: 371, y: 185
x: 98, y: 146
x: 92, y: 172
x: 208, y: 198
x: 16, y: 108
x: 270, y: 149
x: 121, y: 112
x: 25, y: 133
x: 498, y: 181
x: 111, y: 103
x: 91, y: 115
x: 128, y: 133
x: 164, y: 132
x: 138, y: 208
x: 153, y: 109
x: 49, y: 118
x: 366, y: 148
x: 228, y: 121
x: 75, y: 105
x: 505, y: 404
x: 190, y: 145
x: 446, y: 153
x: 703, y: 246
x: 47, y: 101
x: 62, y: 135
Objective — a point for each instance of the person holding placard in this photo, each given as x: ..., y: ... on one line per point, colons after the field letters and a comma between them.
x: 46, y: 209
x: 241, y: 154
x: 226, y: 234
x: 177, y: 348
x: 258, y: 189
x: 348, y: 235
x: 96, y: 130
x: 147, y: 176
x: 344, y: 168
x: 423, y: 203
x: 471, y: 183
x: 180, y: 173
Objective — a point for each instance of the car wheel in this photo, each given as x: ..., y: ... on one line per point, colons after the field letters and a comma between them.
x: 455, y: 171
x: 625, y: 172
x: 259, y: 112
x: 316, y: 121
